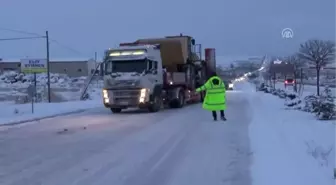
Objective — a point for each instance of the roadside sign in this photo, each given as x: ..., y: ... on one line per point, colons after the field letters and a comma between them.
x: 33, y: 65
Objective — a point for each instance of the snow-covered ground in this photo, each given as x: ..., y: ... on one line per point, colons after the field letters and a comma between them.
x: 12, y: 79
x: 12, y: 113
x: 172, y: 147
x: 289, y: 147
x: 14, y: 85
x: 307, y: 89
x: 260, y: 144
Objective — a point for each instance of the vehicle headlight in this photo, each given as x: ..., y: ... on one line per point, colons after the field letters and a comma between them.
x: 230, y: 85
x: 143, y: 94
x: 105, y: 93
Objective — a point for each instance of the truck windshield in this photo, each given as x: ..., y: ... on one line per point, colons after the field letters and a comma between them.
x: 125, y: 66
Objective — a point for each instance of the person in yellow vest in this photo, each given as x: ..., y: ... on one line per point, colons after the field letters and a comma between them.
x: 215, y: 98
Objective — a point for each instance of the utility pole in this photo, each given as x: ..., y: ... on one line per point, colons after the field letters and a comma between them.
x: 95, y: 58
x: 48, y: 65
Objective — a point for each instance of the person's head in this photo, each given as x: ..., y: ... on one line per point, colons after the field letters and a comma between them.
x: 215, y: 81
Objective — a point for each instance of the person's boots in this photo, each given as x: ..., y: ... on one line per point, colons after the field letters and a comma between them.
x: 223, y: 116
x: 214, y: 115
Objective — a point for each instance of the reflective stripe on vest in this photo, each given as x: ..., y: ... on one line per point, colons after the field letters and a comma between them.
x: 217, y: 92
x: 214, y: 103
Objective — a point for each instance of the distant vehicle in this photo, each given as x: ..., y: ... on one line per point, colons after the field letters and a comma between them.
x: 289, y: 81
x: 228, y: 84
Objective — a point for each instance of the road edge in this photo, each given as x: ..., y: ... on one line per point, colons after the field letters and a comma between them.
x: 43, y: 117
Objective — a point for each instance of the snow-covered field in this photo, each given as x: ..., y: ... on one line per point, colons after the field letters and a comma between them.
x: 16, y: 80
x: 68, y: 89
x: 260, y: 144
x: 63, y: 88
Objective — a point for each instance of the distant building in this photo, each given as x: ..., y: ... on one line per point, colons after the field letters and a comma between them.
x: 10, y: 65
x: 70, y: 67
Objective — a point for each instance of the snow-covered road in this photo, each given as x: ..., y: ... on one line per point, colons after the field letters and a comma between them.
x: 172, y: 147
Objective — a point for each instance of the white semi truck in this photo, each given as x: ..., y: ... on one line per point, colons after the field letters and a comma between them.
x: 153, y: 73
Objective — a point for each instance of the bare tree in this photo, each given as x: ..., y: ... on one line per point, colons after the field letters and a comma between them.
x: 318, y: 53
x: 296, y: 61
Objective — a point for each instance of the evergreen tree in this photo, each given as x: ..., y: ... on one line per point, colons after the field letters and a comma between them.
x: 326, y: 108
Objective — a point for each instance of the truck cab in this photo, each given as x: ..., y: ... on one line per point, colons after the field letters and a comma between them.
x: 133, y: 77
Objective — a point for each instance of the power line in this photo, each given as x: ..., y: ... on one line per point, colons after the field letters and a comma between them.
x: 66, y: 47
x: 38, y: 36
x: 20, y: 31
x: 20, y: 38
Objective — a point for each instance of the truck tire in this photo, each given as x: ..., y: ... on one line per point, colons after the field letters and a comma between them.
x: 116, y: 110
x: 179, y: 102
x: 156, y: 106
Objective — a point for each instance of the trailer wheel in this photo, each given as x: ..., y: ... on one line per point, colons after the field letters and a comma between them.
x: 181, y: 99
x: 179, y: 102
x: 116, y: 110
x: 156, y: 106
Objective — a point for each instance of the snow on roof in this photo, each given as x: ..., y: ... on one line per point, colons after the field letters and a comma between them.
x: 51, y: 60
x: 9, y: 60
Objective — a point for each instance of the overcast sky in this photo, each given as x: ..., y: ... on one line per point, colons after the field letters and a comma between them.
x: 233, y: 27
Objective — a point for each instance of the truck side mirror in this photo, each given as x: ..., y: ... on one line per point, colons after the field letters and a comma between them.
x: 193, y: 41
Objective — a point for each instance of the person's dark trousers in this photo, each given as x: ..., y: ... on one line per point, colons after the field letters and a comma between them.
x: 214, y: 115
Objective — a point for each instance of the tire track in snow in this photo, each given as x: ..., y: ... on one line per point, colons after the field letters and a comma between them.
x: 168, y: 156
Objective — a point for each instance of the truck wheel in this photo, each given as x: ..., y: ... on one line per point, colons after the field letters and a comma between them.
x: 179, y: 102
x: 116, y: 110
x: 155, y: 107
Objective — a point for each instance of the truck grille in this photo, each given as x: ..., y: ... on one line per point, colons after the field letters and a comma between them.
x: 129, y: 97
x: 125, y: 93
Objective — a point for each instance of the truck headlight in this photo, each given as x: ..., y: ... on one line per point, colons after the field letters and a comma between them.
x: 143, y: 94
x: 105, y: 94
x: 230, y: 85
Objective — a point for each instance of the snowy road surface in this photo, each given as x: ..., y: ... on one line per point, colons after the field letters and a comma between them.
x: 172, y: 147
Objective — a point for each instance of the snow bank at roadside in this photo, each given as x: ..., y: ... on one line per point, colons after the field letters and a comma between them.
x: 12, y: 79
x: 289, y: 147
x: 10, y: 112
x: 14, y: 85
x: 307, y: 89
